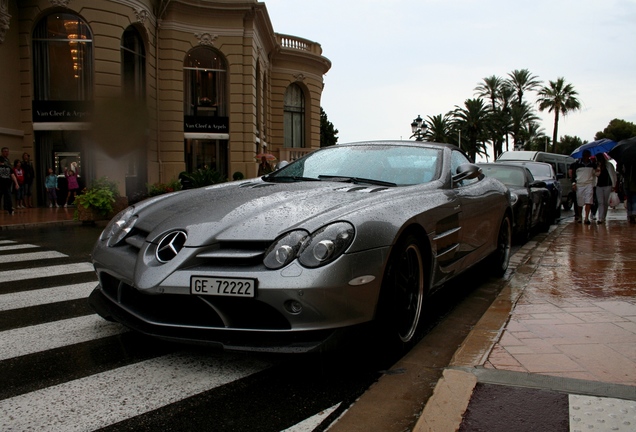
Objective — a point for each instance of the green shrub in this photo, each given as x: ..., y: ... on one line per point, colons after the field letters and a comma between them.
x: 162, y: 188
x: 202, y: 177
x: 100, y: 196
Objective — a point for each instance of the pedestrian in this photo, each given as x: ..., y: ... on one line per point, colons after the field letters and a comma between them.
x: 606, y: 183
x: 583, y: 174
x: 29, y: 177
x: 73, y: 186
x: 50, y: 183
x: 628, y: 174
x: 19, y: 191
x: 264, y: 167
x: 7, y: 179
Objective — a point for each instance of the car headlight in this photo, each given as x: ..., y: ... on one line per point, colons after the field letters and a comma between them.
x: 315, y: 250
x: 513, y: 198
x: 326, y: 244
x: 119, y: 226
x: 284, y: 250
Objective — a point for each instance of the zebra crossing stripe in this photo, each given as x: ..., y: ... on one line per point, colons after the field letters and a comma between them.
x: 7, y: 242
x: 42, y: 337
x: 312, y: 422
x: 109, y: 397
x: 30, y: 256
x: 46, y: 271
x: 44, y: 296
x: 17, y: 247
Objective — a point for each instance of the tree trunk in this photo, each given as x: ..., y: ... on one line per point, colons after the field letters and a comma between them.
x: 556, y: 131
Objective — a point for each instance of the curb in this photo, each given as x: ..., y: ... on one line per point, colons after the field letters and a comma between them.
x: 445, y: 408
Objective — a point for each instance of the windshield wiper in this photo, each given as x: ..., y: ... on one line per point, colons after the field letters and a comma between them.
x: 356, y: 180
x: 288, y: 179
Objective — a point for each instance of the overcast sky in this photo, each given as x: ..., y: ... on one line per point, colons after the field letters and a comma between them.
x: 395, y: 59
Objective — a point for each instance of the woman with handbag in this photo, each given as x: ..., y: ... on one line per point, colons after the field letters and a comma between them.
x: 605, y: 185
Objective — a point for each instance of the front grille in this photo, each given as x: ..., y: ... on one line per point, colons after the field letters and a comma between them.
x: 194, y: 311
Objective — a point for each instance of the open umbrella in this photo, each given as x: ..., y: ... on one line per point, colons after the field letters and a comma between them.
x: 267, y: 156
x: 625, y: 152
x: 603, y: 145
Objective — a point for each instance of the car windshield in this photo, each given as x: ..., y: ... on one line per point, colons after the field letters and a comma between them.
x: 540, y: 171
x: 507, y: 175
x: 388, y: 165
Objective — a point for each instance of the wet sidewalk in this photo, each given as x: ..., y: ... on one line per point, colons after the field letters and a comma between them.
x: 557, y: 349
x: 33, y: 217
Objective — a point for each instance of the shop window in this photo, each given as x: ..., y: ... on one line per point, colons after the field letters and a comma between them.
x: 133, y: 63
x: 294, y: 117
x: 62, y: 59
x: 205, y: 74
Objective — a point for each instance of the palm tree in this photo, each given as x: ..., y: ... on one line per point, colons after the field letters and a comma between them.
x: 519, y: 81
x: 561, y: 98
x: 473, y: 121
x: 492, y: 88
x: 522, y: 116
x: 522, y: 80
x: 439, y: 128
x: 533, y: 137
x: 506, y: 96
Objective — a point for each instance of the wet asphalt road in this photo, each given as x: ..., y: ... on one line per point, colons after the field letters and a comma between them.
x: 272, y: 393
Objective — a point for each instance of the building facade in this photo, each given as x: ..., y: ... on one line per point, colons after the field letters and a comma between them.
x: 141, y: 90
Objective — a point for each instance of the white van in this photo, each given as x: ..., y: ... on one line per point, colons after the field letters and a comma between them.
x: 560, y: 163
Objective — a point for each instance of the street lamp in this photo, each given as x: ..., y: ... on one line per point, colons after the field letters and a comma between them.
x: 418, y: 127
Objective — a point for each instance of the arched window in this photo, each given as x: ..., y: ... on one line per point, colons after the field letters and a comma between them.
x: 205, y: 74
x: 133, y: 63
x: 294, y: 117
x: 62, y: 59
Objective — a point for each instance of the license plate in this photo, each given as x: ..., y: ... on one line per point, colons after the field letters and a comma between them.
x: 216, y: 286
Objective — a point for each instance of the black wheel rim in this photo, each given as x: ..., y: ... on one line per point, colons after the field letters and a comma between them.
x: 504, y: 244
x: 409, y: 290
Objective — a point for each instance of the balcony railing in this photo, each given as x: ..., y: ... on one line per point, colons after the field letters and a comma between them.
x: 291, y: 154
x: 296, y: 43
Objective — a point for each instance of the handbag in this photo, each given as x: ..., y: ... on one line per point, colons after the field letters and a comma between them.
x: 614, y: 200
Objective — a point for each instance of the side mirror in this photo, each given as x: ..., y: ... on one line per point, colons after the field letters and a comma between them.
x: 466, y: 171
x: 538, y: 184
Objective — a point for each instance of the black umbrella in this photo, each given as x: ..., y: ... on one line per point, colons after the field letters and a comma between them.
x: 624, y: 152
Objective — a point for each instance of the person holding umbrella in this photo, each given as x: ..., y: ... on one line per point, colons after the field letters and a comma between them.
x: 625, y: 155
x: 583, y: 174
x: 605, y: 184
x: 264, y: 167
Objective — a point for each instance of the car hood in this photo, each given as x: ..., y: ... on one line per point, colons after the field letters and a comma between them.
x: 256, y: 210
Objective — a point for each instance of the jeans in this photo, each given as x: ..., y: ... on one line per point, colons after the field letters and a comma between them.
x: 602, y: 197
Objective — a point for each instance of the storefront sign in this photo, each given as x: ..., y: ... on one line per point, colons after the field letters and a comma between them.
x: 206, y: 124
x: 62, y: 111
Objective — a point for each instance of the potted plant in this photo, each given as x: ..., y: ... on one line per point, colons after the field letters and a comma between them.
x: 100, y: 201
x: 201, y: 177
x: 155, y: 189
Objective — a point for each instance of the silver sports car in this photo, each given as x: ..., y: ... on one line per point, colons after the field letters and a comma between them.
x: 348, y: 235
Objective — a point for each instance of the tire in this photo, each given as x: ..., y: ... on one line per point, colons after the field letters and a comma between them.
x: 524, y: 235
x: 500, y: 258
x: 403, y: 291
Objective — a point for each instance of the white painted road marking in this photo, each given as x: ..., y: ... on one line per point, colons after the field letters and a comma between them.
x: 45, y: 296
x: 65, y: 269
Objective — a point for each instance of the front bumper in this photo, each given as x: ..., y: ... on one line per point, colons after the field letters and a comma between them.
x: 264, y: 323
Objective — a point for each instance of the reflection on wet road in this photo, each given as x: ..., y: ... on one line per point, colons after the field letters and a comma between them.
x: 576, y: 317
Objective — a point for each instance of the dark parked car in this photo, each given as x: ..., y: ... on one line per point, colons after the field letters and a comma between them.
x: 347, y: 235
x: 530, y: 197
x: 544, y: 172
